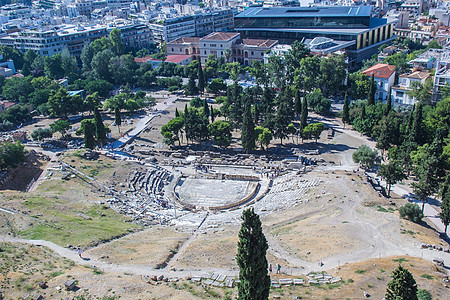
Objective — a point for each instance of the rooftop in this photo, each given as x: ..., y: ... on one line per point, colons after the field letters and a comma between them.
x: 186, y: 40
x: 176, y: 58
x: 220, y: 36
x: 380, y: 71
x: 416, y: 75
x: 259, y: 43
x: 315, y: 11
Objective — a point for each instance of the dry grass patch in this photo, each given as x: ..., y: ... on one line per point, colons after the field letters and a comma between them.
x: 211, y: 250
x: 149, y: 247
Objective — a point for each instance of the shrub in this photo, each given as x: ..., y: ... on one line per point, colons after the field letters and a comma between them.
x: 411, y: 211
x: 423, y: 295
x: 173, y: 88
x: 6, y: 126
x: 41, y: 133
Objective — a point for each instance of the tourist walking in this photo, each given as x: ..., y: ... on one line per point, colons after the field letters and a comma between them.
x: 270, y: 268
x: 278, y: 269
x: 79, y: 252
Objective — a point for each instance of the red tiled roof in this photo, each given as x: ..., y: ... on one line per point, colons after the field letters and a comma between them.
x: 259, y: 43
x: 141, y: 59
x: 220, y: 36
x: 6, y: 104
x: 176, y: 58
x: 185, y: 40
x: 380, y: 71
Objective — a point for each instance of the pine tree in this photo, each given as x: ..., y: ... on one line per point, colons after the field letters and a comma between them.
x: 117, y: 118
x: 445, y: 205
x: 389, y: 102
x: 100, y: 132
x: 248, y: 136
x: 201, y: 78
x: 371, y: 95
x: 402, y: 286
x: 345, y: 111
x: 251, y: 259
x: 429, y: 169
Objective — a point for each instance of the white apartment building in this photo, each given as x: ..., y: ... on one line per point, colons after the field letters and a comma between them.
x: 384, y: 76
x: 428, y: 59
x: 415, y: 7
x: 193, y: 25
x: 47, y: 42
x: 53, y: 40
x: 442, y: 75
x: 399, y: 93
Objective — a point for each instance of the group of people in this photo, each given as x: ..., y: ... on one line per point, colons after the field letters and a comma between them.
x: 278, y: 268
x: 270, y: 174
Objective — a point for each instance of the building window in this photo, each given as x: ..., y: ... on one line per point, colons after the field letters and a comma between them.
x: 173, y: 50
x: 205, y: 51
x: 221, y: 53
x: 253, y: 53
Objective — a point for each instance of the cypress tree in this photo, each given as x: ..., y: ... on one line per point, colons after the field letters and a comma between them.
x: 402, y: 286
x: 190, y: 88
x: 297, y: 103
x: 371, y: 95
x: 88, y: 130
x: 117, y: 118
x: 445, y: 205
x: 345, y: 111
x: 418, y: 126
x: 251, y: 259
x: 256, y: 114
x: 177, y: 113
x: 213, y: 116
x: 248, y: 136
x: 206, y: 109
x: 304, y: 114
x: 201, y: 78
x: 363, y: 113
x: 100, y: 132
x: 389, y: 103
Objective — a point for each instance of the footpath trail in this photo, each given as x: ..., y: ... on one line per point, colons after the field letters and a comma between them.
x: 143, y: 270
x: 378, y: 246
x: 142, y: 123
x: 399, y: 189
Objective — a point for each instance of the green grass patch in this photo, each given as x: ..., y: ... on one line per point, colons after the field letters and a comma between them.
x: 360, y: 271
x: 331, y: 286
x: 97, y: 271
x: 382, y: 270
x: 344, y: 222
x: 282, y: 230
x: 382, y: 209
x: 70, y: 228
x: 427, y: 276
x: 400, y: 260
x: 56, y: 274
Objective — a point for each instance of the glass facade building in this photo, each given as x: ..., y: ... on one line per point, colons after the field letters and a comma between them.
x: 343, y: 23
